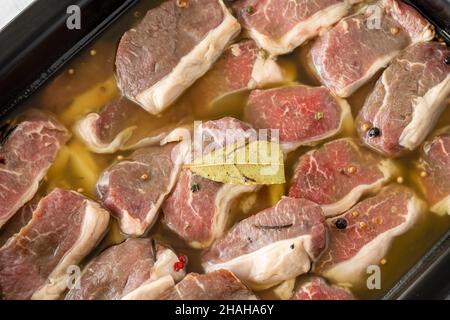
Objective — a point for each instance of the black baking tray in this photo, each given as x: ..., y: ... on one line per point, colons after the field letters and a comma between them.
x: 35, y: 45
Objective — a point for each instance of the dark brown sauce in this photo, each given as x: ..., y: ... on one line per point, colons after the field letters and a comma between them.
x: 87, y: 83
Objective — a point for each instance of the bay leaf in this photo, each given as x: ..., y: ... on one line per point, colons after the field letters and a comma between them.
x: 254, y: 163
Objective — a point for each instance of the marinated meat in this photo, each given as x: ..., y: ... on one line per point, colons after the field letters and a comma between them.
x: 64, y: 228
x: 134, y: 189
x: 173, y: 46
x: 114, y: 127
x: 317, y: 288
x: 363, y: 234
x: 281, y: 26
x: 135, y: 269
x: 216, y: 285
x: 198, y: 208
x: 338, y: 174
x: 243, y: 66
x: 277, y: 244
x: 435, y: 171
x: 18, y: 221
x: 359, y: 46
x: 407, y: 100
x: 25, y: 157
x: 303, y: 115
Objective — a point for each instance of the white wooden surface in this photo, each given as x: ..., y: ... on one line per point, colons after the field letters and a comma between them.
x: 10, y: 8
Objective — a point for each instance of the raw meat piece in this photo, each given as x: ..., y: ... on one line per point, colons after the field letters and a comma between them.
x: 64, y: 228
x: 274, y: 245
x: 216, y: 285
x: 407, y: 100
x: 114, y: 127
x: 198, y: 208
x: 371, y: 227
x: 281, y: 26
x: 338, y: 174
x: 18, y: 221
x: 303, y: 115
x: 104, y: 132
x: 134, y: 189
x: 243, y: 66
x: 435, y: 163
x: 359, y: 46
x: 25, y: 157
x: 316, y: 288
x: 127, y: 271
x: 173, y: 46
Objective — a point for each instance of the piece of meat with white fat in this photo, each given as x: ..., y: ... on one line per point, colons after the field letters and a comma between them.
x: 317, y: 288
x: 114, y: 127
x: 216, y: 285
x: 434, y: 164
x: 303, y: 115
x: 134, y: 189
x: 243, y: 66
x: 65, y: 227
x: 407, y: 100
x: 172, y: 47
x: 25, y: 158
x: 354, y: 50
x: 281, y: 26
x: 136, y: 269
x: 198, y: 208
x: 277, y: 244
x: 337, y: 174
x: 362, y: 236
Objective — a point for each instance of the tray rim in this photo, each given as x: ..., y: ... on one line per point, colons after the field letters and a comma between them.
x: 419, y: 282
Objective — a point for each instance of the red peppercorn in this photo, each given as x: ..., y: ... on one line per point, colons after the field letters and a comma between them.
x: 178, y: 266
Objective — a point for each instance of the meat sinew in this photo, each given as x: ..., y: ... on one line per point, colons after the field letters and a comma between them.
x: 243, y: 66
x: 354, y: 50
x: 407, y: 100
x: 173, y: 46
x: 135, y: 269
x: 363, y: 234
x: 134, y: 189
x: 435, y: 171
x: 216, y: 285
x: 337, y: 174
x: 64, y: 228
x: 274, y: 245
x: 198, y: 208
x: 281, y: 26
x: 303, y: 115
x: 317, y: 288
x: 25, y: 157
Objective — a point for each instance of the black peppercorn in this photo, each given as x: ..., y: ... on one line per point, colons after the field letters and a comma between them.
x: 341, y: 223
x: 374, y: 132
x: 195, y: 187
x: 447, y: 60
x: 250, y: 10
